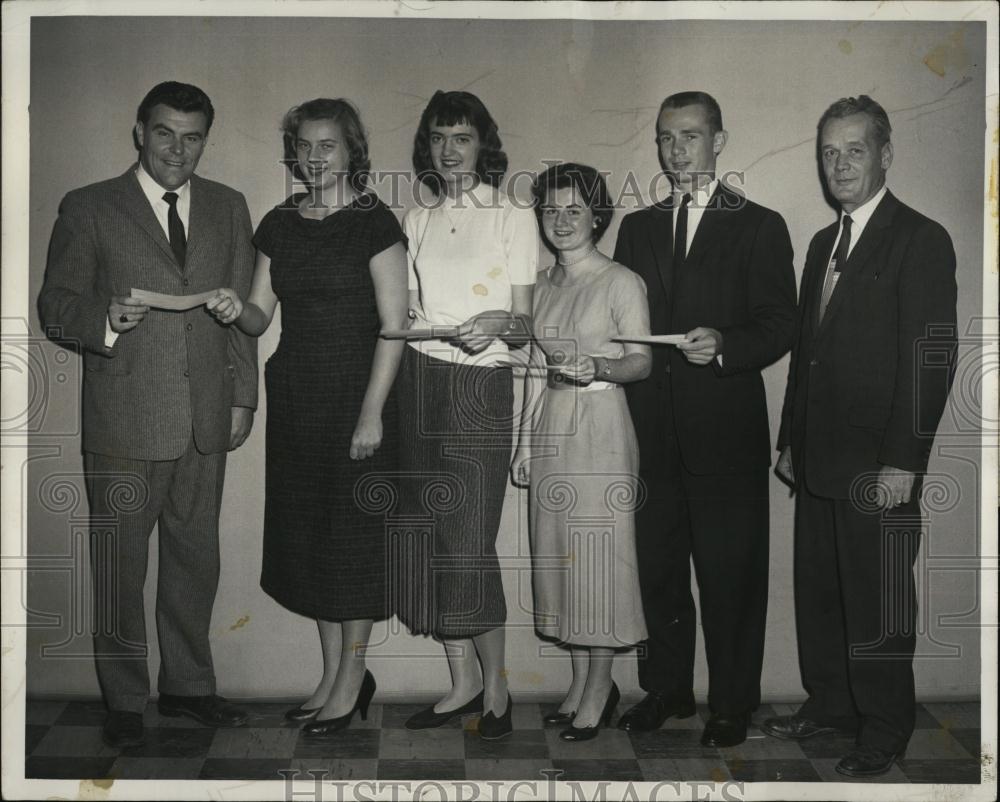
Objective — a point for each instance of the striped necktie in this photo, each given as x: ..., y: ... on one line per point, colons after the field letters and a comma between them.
x: 836, y: 265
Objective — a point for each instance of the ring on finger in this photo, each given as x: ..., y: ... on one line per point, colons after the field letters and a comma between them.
x: 123, y: 318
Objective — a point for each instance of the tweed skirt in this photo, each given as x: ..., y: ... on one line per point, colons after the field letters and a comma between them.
x: 456, y: 427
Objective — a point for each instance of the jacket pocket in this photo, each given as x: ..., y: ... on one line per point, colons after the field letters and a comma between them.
x: 109, y: 366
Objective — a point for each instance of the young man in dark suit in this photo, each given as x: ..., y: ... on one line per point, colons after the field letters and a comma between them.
x: 165, y: 396
x: 867, y: 385
x: 718, y: 268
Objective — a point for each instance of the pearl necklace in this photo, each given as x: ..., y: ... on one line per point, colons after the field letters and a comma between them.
x: 579, y: 258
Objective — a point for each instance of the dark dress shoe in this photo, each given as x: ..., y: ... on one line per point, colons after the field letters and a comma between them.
x: 493, y: 727
x: 326, y: 726
x: 427, y: 718
x: 794, y: 728
x: 213, y: 711
x: 587, y: 733
x: 867, y: 761
x: 722, y: 731
x: 556, y: 719
x: 122, y: 728
x: 654, y: 709
x: 300, y: 714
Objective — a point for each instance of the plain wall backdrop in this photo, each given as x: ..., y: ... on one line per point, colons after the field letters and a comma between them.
x: 560, y: 90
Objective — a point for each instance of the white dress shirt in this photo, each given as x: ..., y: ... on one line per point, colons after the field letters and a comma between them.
x: 695, y: 210
x: 859, y: 219
x: 154, y: 194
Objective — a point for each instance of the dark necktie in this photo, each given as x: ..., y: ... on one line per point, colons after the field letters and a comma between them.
x: 681, y: 231
x: 178, y: 243
x: 836, y: 265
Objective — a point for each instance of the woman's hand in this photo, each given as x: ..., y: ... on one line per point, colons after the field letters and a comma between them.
x: 226, y: 305
x: 367, y: 437
x: 476, y: 333
x: 520, y: 467
x: 581, y: 370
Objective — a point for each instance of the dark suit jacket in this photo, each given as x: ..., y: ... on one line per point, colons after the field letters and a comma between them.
x: 867, y: 387
x: 176, y: 372
x: 737, y: 278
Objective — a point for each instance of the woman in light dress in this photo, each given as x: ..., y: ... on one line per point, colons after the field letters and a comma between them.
x: 577, y: 448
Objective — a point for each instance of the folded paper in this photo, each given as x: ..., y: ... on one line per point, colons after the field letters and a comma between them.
x: 174, y: 303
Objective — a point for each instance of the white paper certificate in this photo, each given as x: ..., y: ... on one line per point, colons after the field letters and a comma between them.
x: 175, y: 303
x: 653, y: 339
x: 436, y: 333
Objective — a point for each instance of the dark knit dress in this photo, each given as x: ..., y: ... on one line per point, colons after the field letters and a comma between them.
x: 324, y: 554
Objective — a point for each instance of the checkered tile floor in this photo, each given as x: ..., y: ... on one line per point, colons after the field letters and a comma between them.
x: 63, y: 740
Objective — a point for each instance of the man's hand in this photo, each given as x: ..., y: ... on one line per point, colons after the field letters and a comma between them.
x: 784, y: 466
x: 703, y: 345
x: 226, y: 306
x: 125, y: 313
x: 242, y: 422
x: 895, y: 486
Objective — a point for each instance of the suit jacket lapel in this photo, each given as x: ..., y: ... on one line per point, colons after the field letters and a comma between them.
x: 873, y: 236
x: 138, y: 206
x: 200, y: 220
x: 722, y: 200
x: 661, y: 237
x: 815, y: 274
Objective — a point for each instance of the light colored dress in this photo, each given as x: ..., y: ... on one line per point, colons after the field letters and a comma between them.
x: 584, y: 467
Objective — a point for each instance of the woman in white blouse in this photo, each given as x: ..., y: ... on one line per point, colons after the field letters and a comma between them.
x: 473, y: 254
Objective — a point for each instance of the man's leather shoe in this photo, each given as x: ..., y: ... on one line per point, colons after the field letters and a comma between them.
x: 867, y: 761
x: 213, y: 711
x: 654, y: 709
x: 122, y: 728
x: 794, y: 728
x: 722, y: 731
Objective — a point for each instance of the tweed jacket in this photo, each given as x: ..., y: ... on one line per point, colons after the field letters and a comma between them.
x: 176, y: 374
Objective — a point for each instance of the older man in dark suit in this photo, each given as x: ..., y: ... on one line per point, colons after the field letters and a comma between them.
x: 165, y: 395
x: 717, y: 268
x: 867, y: 385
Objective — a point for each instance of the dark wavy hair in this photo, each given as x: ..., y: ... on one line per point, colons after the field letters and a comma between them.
x: 588, y: 182
x: 862, y: 104
x: 459, y: 108
x: 178, y: 96
x: 342, y: 112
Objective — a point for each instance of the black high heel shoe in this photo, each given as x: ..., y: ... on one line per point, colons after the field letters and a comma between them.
x: 492, y: 727
x: 325, y: 726
x: 299, y: 714
x: 586, y: 733
x: 556, y: 719
x: 427, y: 718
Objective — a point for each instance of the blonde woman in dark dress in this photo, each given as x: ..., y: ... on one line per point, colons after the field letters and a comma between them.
x: 335, y: 260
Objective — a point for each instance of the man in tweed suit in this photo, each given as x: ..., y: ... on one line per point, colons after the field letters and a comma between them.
x: 165, y: 395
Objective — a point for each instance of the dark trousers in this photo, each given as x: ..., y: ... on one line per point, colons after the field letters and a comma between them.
x: 127, y: 498
x: 855, y: 609
x: 721, y: 522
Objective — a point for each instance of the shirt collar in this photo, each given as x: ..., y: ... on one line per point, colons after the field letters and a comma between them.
x: 861, y: 215
x: 153, y: 191
x: 701, y: 195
